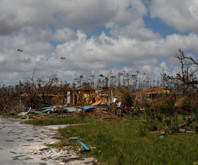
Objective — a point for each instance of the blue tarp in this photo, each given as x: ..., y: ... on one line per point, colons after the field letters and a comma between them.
x: 49, y: 109
x: 88, y: 107
x: 69, y: 109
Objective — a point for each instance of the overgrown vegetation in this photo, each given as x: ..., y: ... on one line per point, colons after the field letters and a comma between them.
x: 129, y: 142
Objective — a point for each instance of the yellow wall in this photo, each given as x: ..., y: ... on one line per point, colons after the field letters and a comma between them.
x: 85, y: 98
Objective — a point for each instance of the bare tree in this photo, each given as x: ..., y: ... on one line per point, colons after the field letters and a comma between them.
x: 186, y: 78
x: 39, y: 89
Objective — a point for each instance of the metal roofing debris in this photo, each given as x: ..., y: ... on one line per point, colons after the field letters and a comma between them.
x: 73, y: 109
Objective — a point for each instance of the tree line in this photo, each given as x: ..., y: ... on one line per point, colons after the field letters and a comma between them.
x: 184, y: 81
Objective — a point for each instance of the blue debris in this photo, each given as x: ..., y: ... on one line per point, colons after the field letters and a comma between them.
x: 88, y: 107
x: 68, y: 109
x: 49, y: 109
x: 83, y: 145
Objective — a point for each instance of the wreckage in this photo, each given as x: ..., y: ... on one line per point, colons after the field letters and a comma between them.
x: 70, y: 100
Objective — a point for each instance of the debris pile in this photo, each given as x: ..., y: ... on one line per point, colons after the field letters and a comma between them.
x: 104, y: 102
x: 96, y: 99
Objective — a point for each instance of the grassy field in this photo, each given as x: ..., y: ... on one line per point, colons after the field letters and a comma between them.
x: 128, y: 142
x: 57, y: 121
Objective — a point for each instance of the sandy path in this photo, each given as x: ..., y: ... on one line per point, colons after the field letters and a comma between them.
x: 22, y: 144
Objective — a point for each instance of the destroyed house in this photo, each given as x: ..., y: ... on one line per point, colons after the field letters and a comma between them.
x: 151, y: 93
x: 99, y: 97
x: 73, y: 97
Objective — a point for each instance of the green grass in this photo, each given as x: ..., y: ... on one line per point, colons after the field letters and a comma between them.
x: 129, y: 142
x: 57, y: 121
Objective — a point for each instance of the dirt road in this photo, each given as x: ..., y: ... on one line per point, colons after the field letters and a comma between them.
x: 22, y: 144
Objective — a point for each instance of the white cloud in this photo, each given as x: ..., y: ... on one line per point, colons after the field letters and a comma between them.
x: 134, y: 30
x: 86, y: 54
x: 86, y: 15
x: 2, y: 59
x: 32, y: 25
x: 147, y: 69
x: 181, y: 14
x: 99, y: 52
x: 65, y: 34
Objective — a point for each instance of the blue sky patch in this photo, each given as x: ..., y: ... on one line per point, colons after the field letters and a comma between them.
x: 158, y: 26
x: 97, y: 31
x: 116, y: 65
x: 55, y: 43
x: 162, y: 59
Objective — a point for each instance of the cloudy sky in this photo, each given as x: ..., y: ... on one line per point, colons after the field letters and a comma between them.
x: 94, y: 36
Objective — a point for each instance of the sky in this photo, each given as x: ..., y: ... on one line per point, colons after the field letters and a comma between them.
x: 94, y: 37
